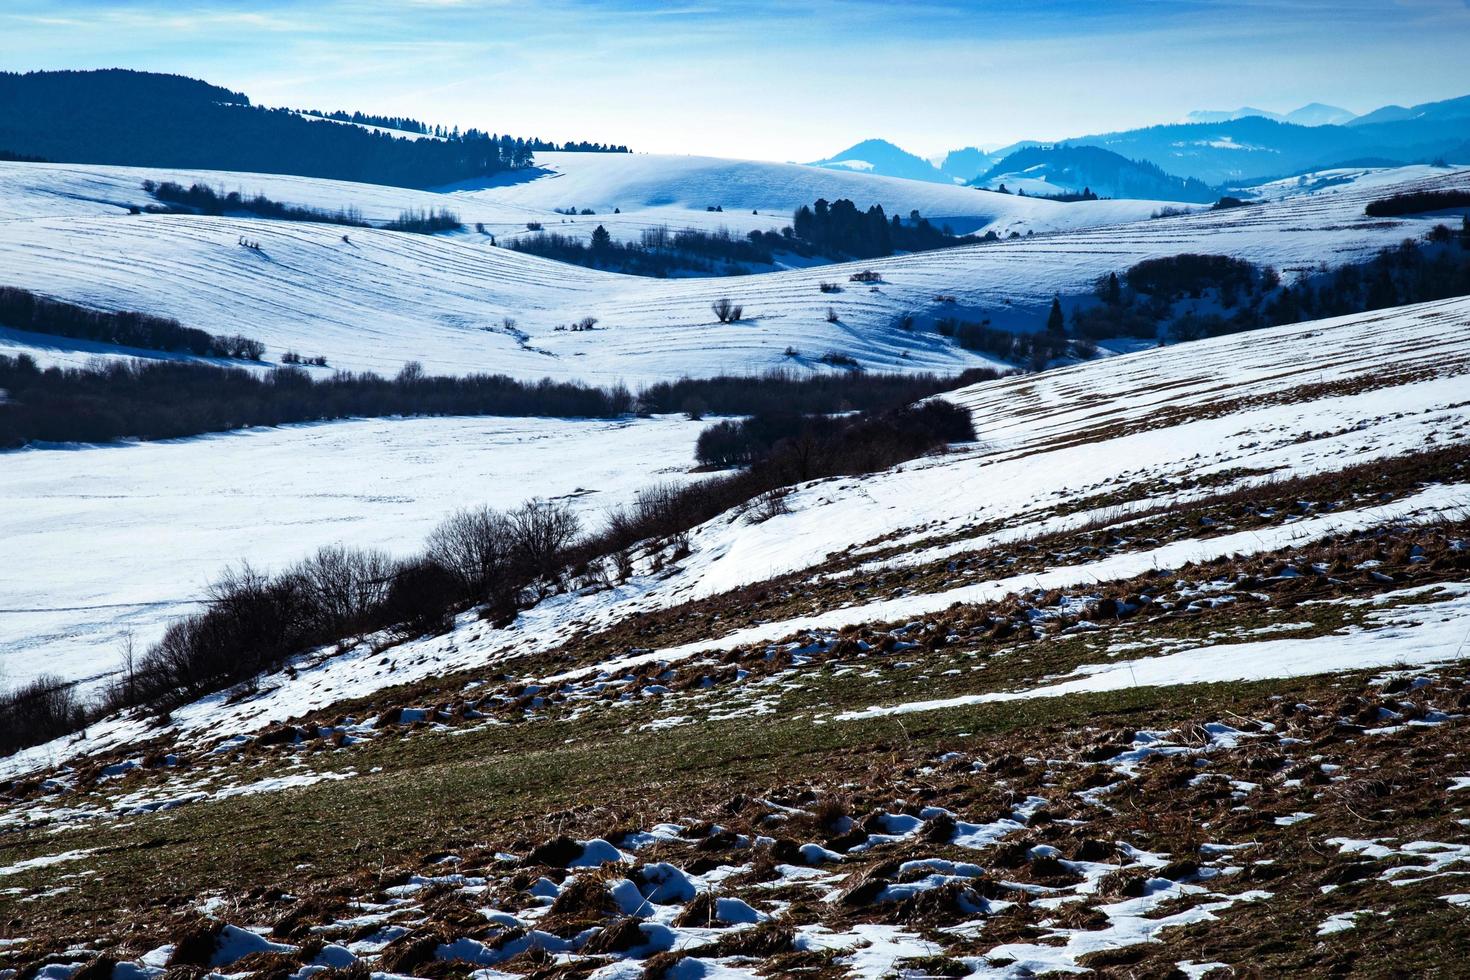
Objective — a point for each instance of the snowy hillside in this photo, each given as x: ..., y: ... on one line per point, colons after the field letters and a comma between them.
x: 383, y: 298
x: 1059, y: 450
x: 1224, y: 584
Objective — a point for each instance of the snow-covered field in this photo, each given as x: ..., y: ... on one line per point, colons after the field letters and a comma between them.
x: 628, y: 193
x: 103, y: 542
x: 383, y: 298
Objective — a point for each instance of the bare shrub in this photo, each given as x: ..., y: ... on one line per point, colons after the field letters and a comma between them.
x: 727, y: 311
x: 38, y: 711
x: 343, y: 586
x: 541, y: 532
x: 770, y: 504
x: 421, y: 596
x: 475, y: 545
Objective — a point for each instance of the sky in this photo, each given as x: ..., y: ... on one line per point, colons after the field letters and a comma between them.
x: 772, y: 79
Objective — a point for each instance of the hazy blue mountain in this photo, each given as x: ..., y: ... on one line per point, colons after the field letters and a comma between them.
x: 881, y: 157
x: 1254, y: 147
x: 1443, y: 111
x: 1073, y: 169
x: 967, y: 164
x: 1312, y: 114
x: 1248, y: 144
x: 1226, y: 115
x: 1320, y: 114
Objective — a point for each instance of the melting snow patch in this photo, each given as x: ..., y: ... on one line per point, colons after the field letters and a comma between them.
x: 1343, y: 921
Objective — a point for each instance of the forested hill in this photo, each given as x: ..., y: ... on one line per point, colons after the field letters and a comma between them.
x: 133, y: 118
x: 1075, y: 168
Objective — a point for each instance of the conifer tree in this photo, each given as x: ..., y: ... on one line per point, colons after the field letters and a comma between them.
x: 1056, y: 322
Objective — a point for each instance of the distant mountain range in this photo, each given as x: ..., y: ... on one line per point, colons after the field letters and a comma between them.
x: 1055, y: 170
x: 1313, y: 114
x: 1221, y: 148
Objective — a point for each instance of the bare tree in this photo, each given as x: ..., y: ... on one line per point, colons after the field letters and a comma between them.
x: 475, y: 544
x: 344, y: 585
x: 541, y: 532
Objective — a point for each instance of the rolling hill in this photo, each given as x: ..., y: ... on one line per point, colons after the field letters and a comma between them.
x: 383, y: 298
x: 116, y: 116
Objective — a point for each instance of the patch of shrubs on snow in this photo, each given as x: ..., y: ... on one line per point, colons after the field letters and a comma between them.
x: 203, y: 199
x: 727, y: 311
x: 1186, y: 297
x: 254, y: 622
x: 425, y: 222
x: 316, y: 360
x: 499, y: 561
x: 38, y: 711
x: 22, y: 309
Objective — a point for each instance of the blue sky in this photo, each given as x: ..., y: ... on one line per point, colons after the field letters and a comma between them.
x: 770, y: 79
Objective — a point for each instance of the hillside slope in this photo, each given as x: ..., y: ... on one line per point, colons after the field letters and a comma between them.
x: 1225, y: 585
x: 119, y: 116
x: 1103, y: 440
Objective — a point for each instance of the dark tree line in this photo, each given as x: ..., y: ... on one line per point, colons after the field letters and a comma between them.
x: 22, y: 309
x: 142, y: 119
x: 497, y: 561
x: 658, y: 252
x: 405, y: 123
x: 408, y: 124
x: 169, y: 399
x: 837, y: 231
x: 806, y: 394
x: 1417, y: 202
x: 804, y: 443
x: 203, y: 199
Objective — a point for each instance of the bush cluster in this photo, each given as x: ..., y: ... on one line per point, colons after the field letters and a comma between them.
x: 206, y: 200
x: 425, y: 222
